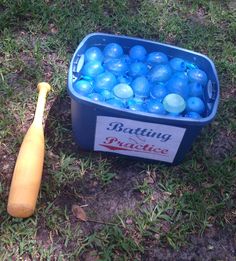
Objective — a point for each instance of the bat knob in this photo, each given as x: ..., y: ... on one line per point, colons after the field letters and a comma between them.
x: 44, y: 85
x: 20, y: 210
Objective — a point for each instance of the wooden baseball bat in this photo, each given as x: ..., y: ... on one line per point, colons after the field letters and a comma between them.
x: 28, y: 170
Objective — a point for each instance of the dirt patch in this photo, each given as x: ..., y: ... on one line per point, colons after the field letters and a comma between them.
x: 215, y: 244
x: 223, y: 146
x: 199, y: 17
x: 134, y: 5
x: 100, y: 203
x: 232, y: 5
x: 7, y: 162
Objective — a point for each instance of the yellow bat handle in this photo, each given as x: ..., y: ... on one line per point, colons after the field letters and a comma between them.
x: 28, y: 170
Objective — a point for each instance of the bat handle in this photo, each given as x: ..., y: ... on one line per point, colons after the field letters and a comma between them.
x: 43, y: 89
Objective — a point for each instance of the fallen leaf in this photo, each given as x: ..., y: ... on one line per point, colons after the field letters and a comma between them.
x: 53, y: 29
x: 79, y: 213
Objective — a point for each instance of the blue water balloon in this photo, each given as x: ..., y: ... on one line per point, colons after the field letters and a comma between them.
x: 96, y: 97
x: 116, y: 103
x: 135, y: 105
x: 158, y: 91
x: 190, y: 65
x: 179, y: 86
x: 195, y: 89
x: 93, y: 54
x: 193, y: 115
x: 127, y: 58
x: 106, y: 59
x: 141, y: 87
x: 174, y: 103
x: 138, y: 100
x: 107, y: 95
x: 83, y: 87
x: 195, y: 104
x: 113, y: 50
x: 87, y: 78
x: 117, y: 66
x: 123, y: 91
x: 157, y: 58
x: 178, y: 64
x: 160, y: 73
x: 176, y: 115
x: 92, y: 69
x: 137, y: 69
x: 104, y: 81
x: 138, y: 53
x: 124, y: 79
x: 155, y: 106
x: 182, y: 75
x: 198, y: 75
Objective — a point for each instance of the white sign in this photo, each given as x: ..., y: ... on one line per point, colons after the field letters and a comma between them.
x: 138, y: 139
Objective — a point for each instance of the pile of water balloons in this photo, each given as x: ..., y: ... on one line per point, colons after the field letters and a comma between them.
x: 141, y: 81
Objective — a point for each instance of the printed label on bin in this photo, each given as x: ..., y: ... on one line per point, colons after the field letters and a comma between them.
x: 138, y: 139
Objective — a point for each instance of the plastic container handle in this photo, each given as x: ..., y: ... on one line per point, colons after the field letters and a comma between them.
x: 78, y: 63
x: 210, y: 92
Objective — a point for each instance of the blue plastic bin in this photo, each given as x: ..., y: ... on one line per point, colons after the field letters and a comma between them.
x: 101, y: 127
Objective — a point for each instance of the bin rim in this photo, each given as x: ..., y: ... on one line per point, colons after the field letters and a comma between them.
x: 82, y: 99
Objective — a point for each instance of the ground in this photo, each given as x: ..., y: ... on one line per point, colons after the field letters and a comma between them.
x: 135, y: 210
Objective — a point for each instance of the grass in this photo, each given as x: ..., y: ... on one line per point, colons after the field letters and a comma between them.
x: 37, y: 41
